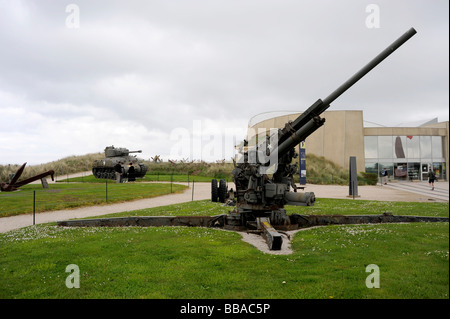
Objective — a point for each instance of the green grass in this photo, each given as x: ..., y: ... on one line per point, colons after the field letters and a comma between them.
x: 194, y: 208
x: 177, y: 262
x: 331, y: 206
x: 72, y: 195
x: 326, y: 206
x: 182, y: 262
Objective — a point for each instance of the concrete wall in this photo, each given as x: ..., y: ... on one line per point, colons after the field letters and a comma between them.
x: 340, y: 137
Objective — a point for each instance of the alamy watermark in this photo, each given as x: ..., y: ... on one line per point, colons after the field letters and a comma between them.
x: 373, y: 19
x: 206, y: 142
x: 373, y: 280
x: 73, y: 19
x: 73, y: 280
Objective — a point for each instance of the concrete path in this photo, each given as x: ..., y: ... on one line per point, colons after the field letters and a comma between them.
x: 423, y: 189
x: 201, y: 191
x: 413, y: 192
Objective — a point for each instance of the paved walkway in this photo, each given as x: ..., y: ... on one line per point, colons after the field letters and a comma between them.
x: 423, y: 189
x: 201, y: 191
x: 410, y: 192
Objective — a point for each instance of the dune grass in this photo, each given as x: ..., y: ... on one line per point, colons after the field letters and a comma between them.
x: 319, y: 170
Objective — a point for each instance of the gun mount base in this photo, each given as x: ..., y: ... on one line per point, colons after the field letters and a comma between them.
x: 272, y: 237
x: 272, y: 233
x: 260, y: 222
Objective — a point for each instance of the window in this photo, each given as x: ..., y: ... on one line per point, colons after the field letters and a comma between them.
x: 425, y: 147
x: 372, y: 168
x: 371, y: 146
x: 385, y: 147
x: 412, y: 147
x: 388, y: 166
x: 401, y: 171
x: 404, y: 156
x: 413, y: 171
x: 399, y: 147
x: 436, y: 148
x: 439, y: 170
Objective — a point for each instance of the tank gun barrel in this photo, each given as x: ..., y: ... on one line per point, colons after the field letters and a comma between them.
x: 140, y: 151
x: 309, y: 121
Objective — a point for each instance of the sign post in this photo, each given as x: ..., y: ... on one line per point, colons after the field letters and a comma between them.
x: 302, y: 162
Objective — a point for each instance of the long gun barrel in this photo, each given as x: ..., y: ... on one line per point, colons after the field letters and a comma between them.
x: 309, y: 121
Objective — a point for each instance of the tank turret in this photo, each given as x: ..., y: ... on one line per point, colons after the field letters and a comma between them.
x: 111, y: 151
x: 104, y: 168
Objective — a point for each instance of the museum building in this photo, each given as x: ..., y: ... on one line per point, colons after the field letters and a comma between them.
x: 408, y: 152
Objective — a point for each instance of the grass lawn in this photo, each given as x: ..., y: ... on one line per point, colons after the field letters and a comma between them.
x: 181, y: 262
x: 71, y: 195
x: 326, y: 206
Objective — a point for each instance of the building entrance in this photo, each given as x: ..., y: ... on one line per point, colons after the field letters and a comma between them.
x: 424, y: 171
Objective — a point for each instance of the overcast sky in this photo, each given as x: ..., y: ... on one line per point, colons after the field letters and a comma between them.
x: 140, y: 74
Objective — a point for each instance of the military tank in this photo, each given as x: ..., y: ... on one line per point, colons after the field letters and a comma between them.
x: 104, y: 168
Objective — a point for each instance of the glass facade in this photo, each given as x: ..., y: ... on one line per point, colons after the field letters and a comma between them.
x: 405, y: 157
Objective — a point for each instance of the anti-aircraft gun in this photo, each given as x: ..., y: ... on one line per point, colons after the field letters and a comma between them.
x: 104, y: 168
x: 259, y: 198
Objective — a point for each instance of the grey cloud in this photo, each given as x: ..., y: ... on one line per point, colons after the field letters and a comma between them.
x: 160, y: 65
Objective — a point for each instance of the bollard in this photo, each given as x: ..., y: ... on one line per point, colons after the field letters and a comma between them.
x: 34, y: 207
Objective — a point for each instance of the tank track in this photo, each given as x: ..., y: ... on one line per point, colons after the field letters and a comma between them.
x: 109, y: 173
x: 104, y: 173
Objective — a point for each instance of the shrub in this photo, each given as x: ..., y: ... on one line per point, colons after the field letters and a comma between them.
x: 369, y: 178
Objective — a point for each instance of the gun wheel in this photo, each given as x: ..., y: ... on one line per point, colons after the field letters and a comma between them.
x: 214, y: 191
x: 222, y: 190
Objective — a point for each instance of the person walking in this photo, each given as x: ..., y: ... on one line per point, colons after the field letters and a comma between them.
x: 431, y: 179
x: 131, y: 173
x: 385, y: 175
x: 118, y: 171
